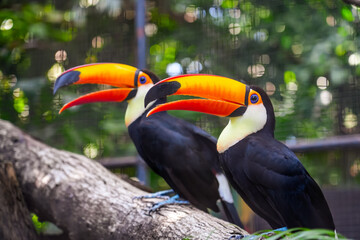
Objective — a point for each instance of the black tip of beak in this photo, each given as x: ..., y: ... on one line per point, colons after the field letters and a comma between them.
x: 66, y: 79
x: 161, y: 90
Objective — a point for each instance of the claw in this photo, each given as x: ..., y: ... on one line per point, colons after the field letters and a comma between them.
x: 160, y: 194
x: 172, y: 200
x: 280, y: 229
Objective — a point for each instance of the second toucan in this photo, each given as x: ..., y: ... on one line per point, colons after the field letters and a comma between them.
x: 266, y: 174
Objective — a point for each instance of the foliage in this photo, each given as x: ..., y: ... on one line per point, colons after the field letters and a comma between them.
x: 39, y: 226
x: 296, y: 233
x: 45, y: 228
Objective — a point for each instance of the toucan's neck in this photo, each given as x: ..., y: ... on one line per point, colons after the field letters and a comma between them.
x: 253, y: 120
x: 136, y: 106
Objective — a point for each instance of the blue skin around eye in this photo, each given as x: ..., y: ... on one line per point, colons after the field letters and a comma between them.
x: 254, y: 98
x: 142, y: 79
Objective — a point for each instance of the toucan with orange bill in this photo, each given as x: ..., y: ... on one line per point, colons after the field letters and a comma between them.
x: 266, y: 173
x: 183, y: 154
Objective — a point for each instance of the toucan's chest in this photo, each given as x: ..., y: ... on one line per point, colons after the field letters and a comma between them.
x: 149, y: 133
x: 252, y: 147
x: 135, y: 130
x: 235, y: 156
x: 238, y: 159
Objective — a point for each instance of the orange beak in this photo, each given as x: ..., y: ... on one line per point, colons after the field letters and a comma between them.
x: 222, y: 96
x: 118, y: 75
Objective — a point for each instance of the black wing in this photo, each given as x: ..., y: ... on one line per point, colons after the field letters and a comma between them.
x: 280, y: 189
x: 183, y: 157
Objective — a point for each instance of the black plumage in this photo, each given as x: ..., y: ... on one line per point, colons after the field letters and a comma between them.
x: 182, y: 154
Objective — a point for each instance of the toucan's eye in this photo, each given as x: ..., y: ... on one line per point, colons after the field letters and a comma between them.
x: 142, y: 80
x: 254, y: 98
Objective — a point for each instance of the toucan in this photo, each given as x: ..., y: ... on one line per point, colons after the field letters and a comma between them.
x: 183, y: 154
x: 265, y: 172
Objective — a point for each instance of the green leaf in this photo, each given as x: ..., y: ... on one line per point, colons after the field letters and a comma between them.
x: 347, y: 14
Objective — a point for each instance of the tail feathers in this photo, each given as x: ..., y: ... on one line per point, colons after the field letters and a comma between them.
x: 231, y: 213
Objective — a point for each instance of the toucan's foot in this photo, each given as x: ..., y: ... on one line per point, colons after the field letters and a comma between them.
x: 236, y: 237
x: 280, y: 229
x: 172, y: 200
x: 160, y: 194
x: 273, y: 232
x: 256, y: 236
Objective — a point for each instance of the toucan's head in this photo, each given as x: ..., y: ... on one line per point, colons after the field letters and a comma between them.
x: 249, y: 108
x: 133, y: 85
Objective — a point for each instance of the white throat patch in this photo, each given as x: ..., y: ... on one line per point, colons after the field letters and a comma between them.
x: 238, y: 128
x: 136, y: 105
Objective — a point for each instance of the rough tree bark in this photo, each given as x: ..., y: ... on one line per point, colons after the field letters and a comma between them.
x: 88, y: 202
x: 15, y: 222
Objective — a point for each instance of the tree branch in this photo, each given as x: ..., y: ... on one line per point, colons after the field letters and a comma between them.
x: 89, y: 202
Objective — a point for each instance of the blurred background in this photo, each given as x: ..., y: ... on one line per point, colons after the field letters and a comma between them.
x: 304, y: 53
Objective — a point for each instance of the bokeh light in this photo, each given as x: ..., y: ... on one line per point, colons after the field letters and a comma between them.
x: 350, y: 119
x: 88, y: 3
x: 297, y: 49
x: 261, y: 36
x: 97, y: 42
x: 264, y: 59
x: 322, y: 83
x: 174, y: 69
x: 325, y: 97
x: 234, y: 28
x: 91, y: 150
x: 280, y: 28
x: 270, y: 88
x: 331, y: 21
x: 60, y: 56
x: 190, y: 14
x: 7, y: 24
x: 194, y: 67
x: 150, y: 29
x: 234, y: 13
x: 355, y: 168
x: 216, y: 12
x: 256, y: 70
x: 292, y: 86
x: 354, y: 59
x: 21, y: 104
x: 55, y: 72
